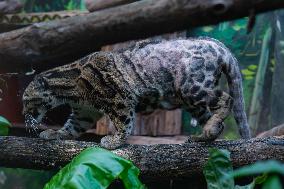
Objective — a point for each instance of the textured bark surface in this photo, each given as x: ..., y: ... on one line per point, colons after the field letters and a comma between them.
x: 275, y: 131
x: 44, y: 45
x: 10, y: 6
x: 94, y: 5
x: 155, y: 161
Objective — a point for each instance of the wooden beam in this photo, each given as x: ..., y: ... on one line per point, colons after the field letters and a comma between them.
x: 45, y: 45
x: 161, y: 161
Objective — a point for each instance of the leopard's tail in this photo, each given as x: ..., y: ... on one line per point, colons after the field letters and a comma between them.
x: 234, y: 78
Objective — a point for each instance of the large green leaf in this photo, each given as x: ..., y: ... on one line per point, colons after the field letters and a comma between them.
x: 266, y: 168
x: 96, y: 168
x: 269, y: 166
x: 273, y: 182
x: 4, y: 126
x: 217, y: 167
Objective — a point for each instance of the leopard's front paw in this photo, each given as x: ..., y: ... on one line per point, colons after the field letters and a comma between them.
x: 199, y: 138
x: 50, y: 134
x: 111, y: 142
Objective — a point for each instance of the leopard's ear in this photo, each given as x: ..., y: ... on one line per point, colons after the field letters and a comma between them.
x: 41, y: 81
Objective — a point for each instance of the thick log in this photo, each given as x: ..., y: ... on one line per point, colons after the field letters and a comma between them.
x: 10, y: 6
x: 95, y: 5
x: 161, y: 161
x: 9, y: 22
x: 44, y: 45
x: 275, y: 131
x: 28, y: 18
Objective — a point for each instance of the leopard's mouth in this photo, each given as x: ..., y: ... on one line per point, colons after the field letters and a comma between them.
x: 56, y: 115
x: 33, y: 119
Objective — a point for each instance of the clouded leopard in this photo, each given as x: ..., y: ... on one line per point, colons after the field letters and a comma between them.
x: 181, y: 73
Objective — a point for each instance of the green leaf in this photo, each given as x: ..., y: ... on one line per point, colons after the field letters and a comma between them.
x: 248, y: 77
x: 238, y: 26
x: 269, y: 166
x: 207, y: 28
x: 247, y: 72
x: 252, y: 67
x: 261, y: 179
x: 218, y: 166
x: 272, y: 182
x: 4, y: 126
x: 96, y: 168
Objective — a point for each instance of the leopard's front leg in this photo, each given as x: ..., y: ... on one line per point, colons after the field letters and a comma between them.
x: 75, y: 125
x: 123, y: 124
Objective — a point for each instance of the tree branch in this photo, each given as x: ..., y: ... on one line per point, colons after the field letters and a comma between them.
x: 54, y: 43
x: 10, y: 6
x: 95, y: 5
x: 155, y: 161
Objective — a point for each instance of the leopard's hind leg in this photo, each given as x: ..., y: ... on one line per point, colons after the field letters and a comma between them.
x: 220, y: 104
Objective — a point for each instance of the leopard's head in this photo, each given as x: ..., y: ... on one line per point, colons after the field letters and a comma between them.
x: 37, y: 99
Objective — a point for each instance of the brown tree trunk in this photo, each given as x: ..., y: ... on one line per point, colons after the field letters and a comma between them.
x: 45, y: 45
x: 161, y: 161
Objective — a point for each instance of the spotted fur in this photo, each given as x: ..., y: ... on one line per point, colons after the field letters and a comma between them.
x: 161, y: 74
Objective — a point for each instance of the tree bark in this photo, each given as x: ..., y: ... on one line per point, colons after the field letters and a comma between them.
x: 45, y: 45
x: 161, y: 161
x: 9, y: 22
x: 275, y: 131
x: 10, y: 6
x: 95, y: 5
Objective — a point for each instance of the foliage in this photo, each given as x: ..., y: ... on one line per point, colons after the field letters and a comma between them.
x: 250, y: 72
x: 219, y: 172
x: 269, y: 166
x: 4, y: 126
x: 217, y: 166
x: 51, y: 5
x: 96, y: 168
x: 25, y: 178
